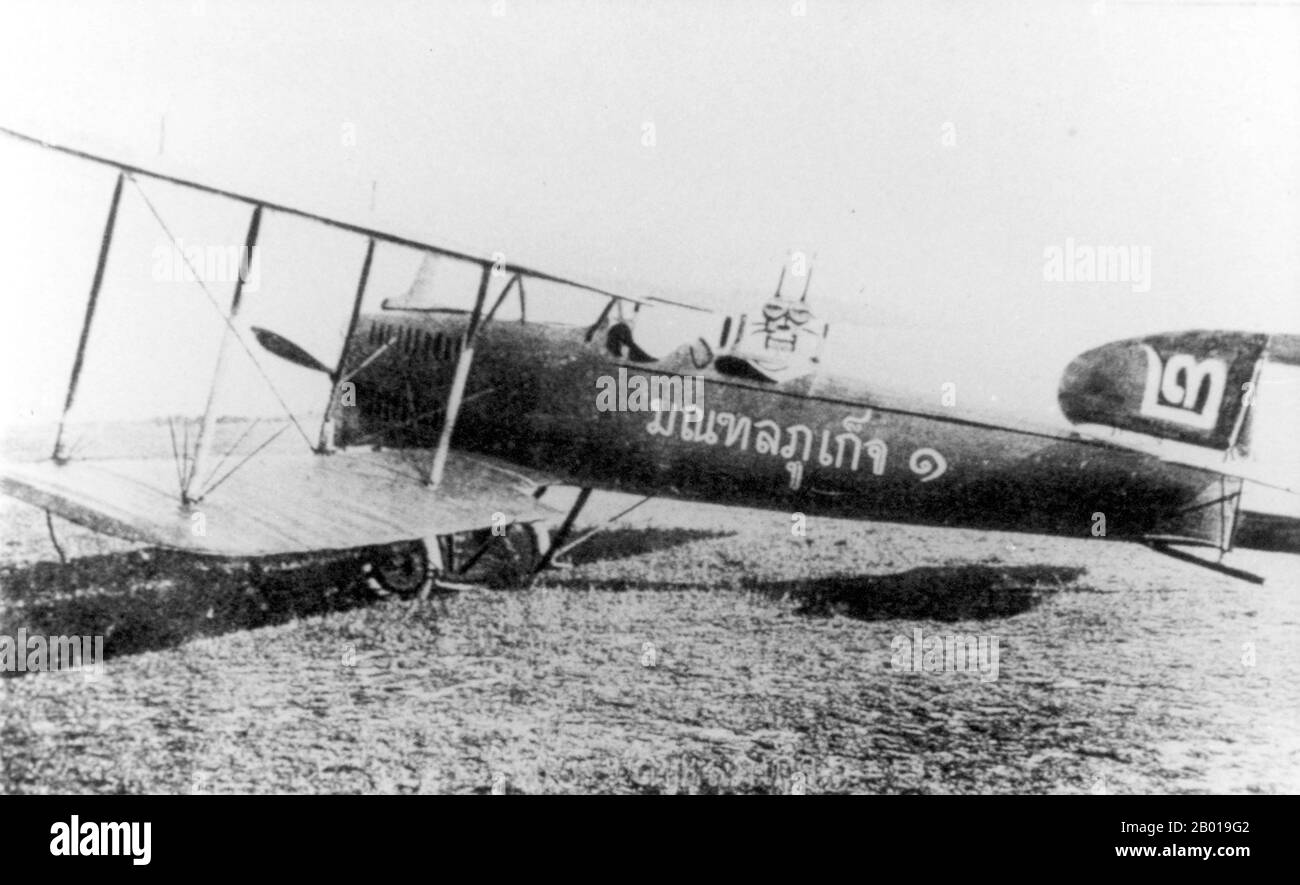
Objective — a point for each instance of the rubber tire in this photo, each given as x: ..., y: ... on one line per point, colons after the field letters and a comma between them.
x: 402, y: 570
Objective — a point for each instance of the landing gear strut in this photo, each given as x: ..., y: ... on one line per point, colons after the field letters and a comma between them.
x: 566, y: 528
x: 513, y: 558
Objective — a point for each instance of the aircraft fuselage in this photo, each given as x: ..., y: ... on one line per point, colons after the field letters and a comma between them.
x: 817, y: 445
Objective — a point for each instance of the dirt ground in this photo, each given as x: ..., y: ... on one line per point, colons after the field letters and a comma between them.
x: 696, y: 650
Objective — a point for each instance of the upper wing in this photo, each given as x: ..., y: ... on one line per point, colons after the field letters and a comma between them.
x: 485, y: 261
x: 278, y: 504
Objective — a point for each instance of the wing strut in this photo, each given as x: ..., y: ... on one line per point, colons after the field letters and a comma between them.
x: 59, y: 454
x: 458, y: 382
x: 477, y: 323
x: 337, y: 378
x: 203, y: 446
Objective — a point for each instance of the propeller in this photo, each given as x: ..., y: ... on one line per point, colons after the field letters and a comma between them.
x: 286, y: 349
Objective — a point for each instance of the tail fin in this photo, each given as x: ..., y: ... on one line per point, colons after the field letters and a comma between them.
x: 1192, y: 387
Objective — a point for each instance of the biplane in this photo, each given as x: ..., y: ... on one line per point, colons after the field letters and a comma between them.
x: 444, y: 425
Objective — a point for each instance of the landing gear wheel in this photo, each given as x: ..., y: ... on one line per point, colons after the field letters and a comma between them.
x: 400, y: 570
x: 523, y: 548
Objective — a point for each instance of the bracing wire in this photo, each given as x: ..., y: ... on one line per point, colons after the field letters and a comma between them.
x: 225, y: 318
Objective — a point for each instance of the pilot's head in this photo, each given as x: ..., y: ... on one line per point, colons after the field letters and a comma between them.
x: 786, y: 337
x: 784, y: 324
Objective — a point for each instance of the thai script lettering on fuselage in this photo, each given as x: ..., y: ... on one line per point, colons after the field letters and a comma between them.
x: 795, y: 444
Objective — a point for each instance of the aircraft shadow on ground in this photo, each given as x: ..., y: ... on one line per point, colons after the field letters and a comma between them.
x: 938, y: 593
x: 148, y: 600
x: 623, y: 542
x: 151, y: 600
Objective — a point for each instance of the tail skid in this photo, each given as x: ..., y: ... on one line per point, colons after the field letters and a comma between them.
x: 1241, y: 574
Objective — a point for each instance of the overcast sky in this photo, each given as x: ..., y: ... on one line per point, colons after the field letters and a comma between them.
x: 928, y: 154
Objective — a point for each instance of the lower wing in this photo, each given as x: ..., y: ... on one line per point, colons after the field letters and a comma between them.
x: 280, y: 504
